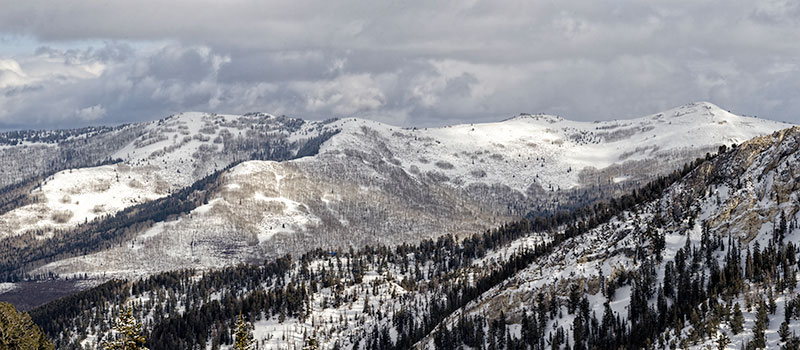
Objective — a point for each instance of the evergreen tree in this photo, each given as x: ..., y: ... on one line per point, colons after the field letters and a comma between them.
x: 129, y: 333
x: 723, y: 341
x: 737, y: 320
x: 17, y: 331
x: 762, y: 322
x: 784, y: 331
x: 243, y: 335
x: 311, y: 344
x: 792, y: 344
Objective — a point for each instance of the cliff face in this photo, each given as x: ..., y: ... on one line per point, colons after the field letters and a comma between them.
x: 746, y: 190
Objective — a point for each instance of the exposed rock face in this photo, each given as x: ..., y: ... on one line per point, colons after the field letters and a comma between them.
x: 753, y: 184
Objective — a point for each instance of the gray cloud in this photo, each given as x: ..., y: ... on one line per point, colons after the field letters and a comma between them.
x: 186, y: 65
x: 410, y: 63
x: 280, y: 66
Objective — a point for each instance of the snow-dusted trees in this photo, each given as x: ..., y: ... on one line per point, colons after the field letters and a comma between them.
x: 243, y: 335
x: 737, y: 320
x: 311, y: 343
x: 128, y: 333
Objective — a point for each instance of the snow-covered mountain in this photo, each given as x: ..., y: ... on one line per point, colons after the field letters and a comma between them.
x: 730, y: 225
x: 352, y: 182
x: 157, y: 158
x: 706, y: 256
x: 551, y: 152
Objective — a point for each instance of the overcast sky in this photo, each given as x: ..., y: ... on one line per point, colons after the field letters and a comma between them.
x: 72, y: 63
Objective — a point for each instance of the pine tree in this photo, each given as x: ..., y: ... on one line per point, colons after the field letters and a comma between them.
x: 17, y: 331
x: 723, y: 341
x: 311, y: 344
x: 782, y: 227
x: 761, y: 324
x: 737, y: 320
x: 784, y: 331
x: 792, y: 344
x: 243, y: 335
x: 129, y: 333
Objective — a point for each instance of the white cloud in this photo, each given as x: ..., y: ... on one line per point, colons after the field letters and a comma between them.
x: 345, y: 95
x: 91, y: 113
x: 11, y: 74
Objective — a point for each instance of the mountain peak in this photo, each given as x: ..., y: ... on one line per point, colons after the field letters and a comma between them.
x: 539, y: 117
x: 705, y: 104
x: 702, y: 108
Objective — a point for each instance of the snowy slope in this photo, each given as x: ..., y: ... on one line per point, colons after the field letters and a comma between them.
x: 741, y: 196
x: 185, y: 147
x: 374, y: 182
x: 167, y: 155
x: 553, y: 152
x: 736, y: 198
x: 265, y: 209
x: 522, y: 156
x: 73, y: 197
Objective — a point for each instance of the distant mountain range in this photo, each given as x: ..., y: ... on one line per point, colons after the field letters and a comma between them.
x: 350, y: 182
x: 546, y: 205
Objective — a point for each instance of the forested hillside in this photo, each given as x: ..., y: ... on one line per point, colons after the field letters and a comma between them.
x: 339, y: 297
x: 712, y: 262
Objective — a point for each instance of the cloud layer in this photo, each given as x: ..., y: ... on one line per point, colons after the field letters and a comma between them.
x: 402, y: 62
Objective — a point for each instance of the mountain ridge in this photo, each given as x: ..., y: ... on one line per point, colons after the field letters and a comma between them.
x: 349, y: 181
